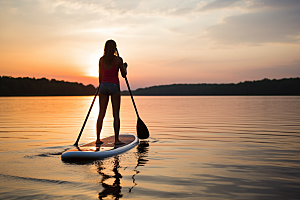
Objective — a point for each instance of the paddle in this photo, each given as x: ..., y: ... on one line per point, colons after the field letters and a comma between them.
x: 86, y: 118
x: 141, y: 128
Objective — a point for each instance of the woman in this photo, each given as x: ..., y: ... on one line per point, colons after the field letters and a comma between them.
x: 109, y: 66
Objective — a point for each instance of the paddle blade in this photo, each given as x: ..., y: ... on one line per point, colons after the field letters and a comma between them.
x: 142, y: 130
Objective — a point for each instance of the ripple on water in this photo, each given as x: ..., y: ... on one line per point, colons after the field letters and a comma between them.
x: 200, y: 147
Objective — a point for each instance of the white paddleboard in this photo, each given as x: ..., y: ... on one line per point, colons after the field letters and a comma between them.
x: 93, y: 151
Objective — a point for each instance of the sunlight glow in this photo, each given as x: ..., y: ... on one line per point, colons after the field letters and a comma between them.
x: 92, y: 65
x: 163, y: 42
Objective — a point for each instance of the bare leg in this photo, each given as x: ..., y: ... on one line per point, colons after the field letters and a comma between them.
x: 116, y: 100
x: 103, y: 100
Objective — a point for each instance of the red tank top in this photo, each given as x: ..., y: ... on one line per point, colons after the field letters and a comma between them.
x: 110, y: 75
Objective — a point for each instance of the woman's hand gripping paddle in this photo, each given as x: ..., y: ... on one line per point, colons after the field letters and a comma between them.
x: 141, y: 128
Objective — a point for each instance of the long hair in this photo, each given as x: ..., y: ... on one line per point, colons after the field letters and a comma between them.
x: 109, y: 51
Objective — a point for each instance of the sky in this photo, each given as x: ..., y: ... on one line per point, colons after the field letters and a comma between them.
x: 163, y: 42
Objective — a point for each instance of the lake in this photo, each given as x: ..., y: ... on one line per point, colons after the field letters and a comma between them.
x: 200, y: 147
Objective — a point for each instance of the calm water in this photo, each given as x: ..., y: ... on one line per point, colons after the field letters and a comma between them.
x: 200, y: 148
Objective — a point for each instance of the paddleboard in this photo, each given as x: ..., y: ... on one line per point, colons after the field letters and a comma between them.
x: 93, y: 151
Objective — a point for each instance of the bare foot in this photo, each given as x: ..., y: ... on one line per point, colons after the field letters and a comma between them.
x: 99, y: 142
x: 119, y: 142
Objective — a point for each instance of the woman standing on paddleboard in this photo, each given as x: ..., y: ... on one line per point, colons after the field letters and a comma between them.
x: 109, y: 66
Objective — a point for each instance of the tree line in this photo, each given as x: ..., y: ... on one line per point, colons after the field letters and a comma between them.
x: 284, y: 86
x: 10, y: 86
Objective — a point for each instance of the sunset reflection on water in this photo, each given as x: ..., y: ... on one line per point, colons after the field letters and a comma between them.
x: 210, y: 147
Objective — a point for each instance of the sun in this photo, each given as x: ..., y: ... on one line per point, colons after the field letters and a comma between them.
x: 92, y: 68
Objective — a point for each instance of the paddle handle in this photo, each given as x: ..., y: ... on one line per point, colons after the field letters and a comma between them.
x: 86, y: 118
x: 137, y: 114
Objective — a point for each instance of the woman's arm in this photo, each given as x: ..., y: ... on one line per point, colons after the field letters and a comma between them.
x: 123, y: 68
x: 100, y: 71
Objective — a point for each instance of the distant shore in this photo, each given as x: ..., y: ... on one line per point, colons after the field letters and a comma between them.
x: 10, y: 86
x: 25, y: 86
x: 286, y: 86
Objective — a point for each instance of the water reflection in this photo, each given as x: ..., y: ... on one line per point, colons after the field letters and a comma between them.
x: 113, y: 189
x: 208, y: 147
x: 142, y: 151
x: 112, y: 183
x: 141, y: 154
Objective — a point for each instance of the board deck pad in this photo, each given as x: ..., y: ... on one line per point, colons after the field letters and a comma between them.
x: 106, y: 149
x: 108, y: 143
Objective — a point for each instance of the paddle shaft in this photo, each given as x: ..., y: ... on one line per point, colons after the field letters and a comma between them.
x: 86, y: 118
x: 137, y: 114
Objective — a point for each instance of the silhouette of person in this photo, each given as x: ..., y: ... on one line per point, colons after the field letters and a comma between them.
x: 109, y: 66
x: 115, y: 188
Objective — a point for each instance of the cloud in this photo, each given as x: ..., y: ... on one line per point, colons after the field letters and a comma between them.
x: 115, y: 8
x: 70, y: 6
x: 181, y: 11
x: 277, y: 71
x: 218, y: 4
x: 250, y: 4
x: 279, y: 26
x: 263, y: 21
x: 272, y: 4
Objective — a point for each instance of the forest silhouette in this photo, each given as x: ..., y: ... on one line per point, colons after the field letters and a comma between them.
x: 26, y: 86
x: 10, y: 86
x: 284, y: 86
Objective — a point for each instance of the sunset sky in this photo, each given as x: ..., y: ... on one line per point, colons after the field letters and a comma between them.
x: 163, y: 42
